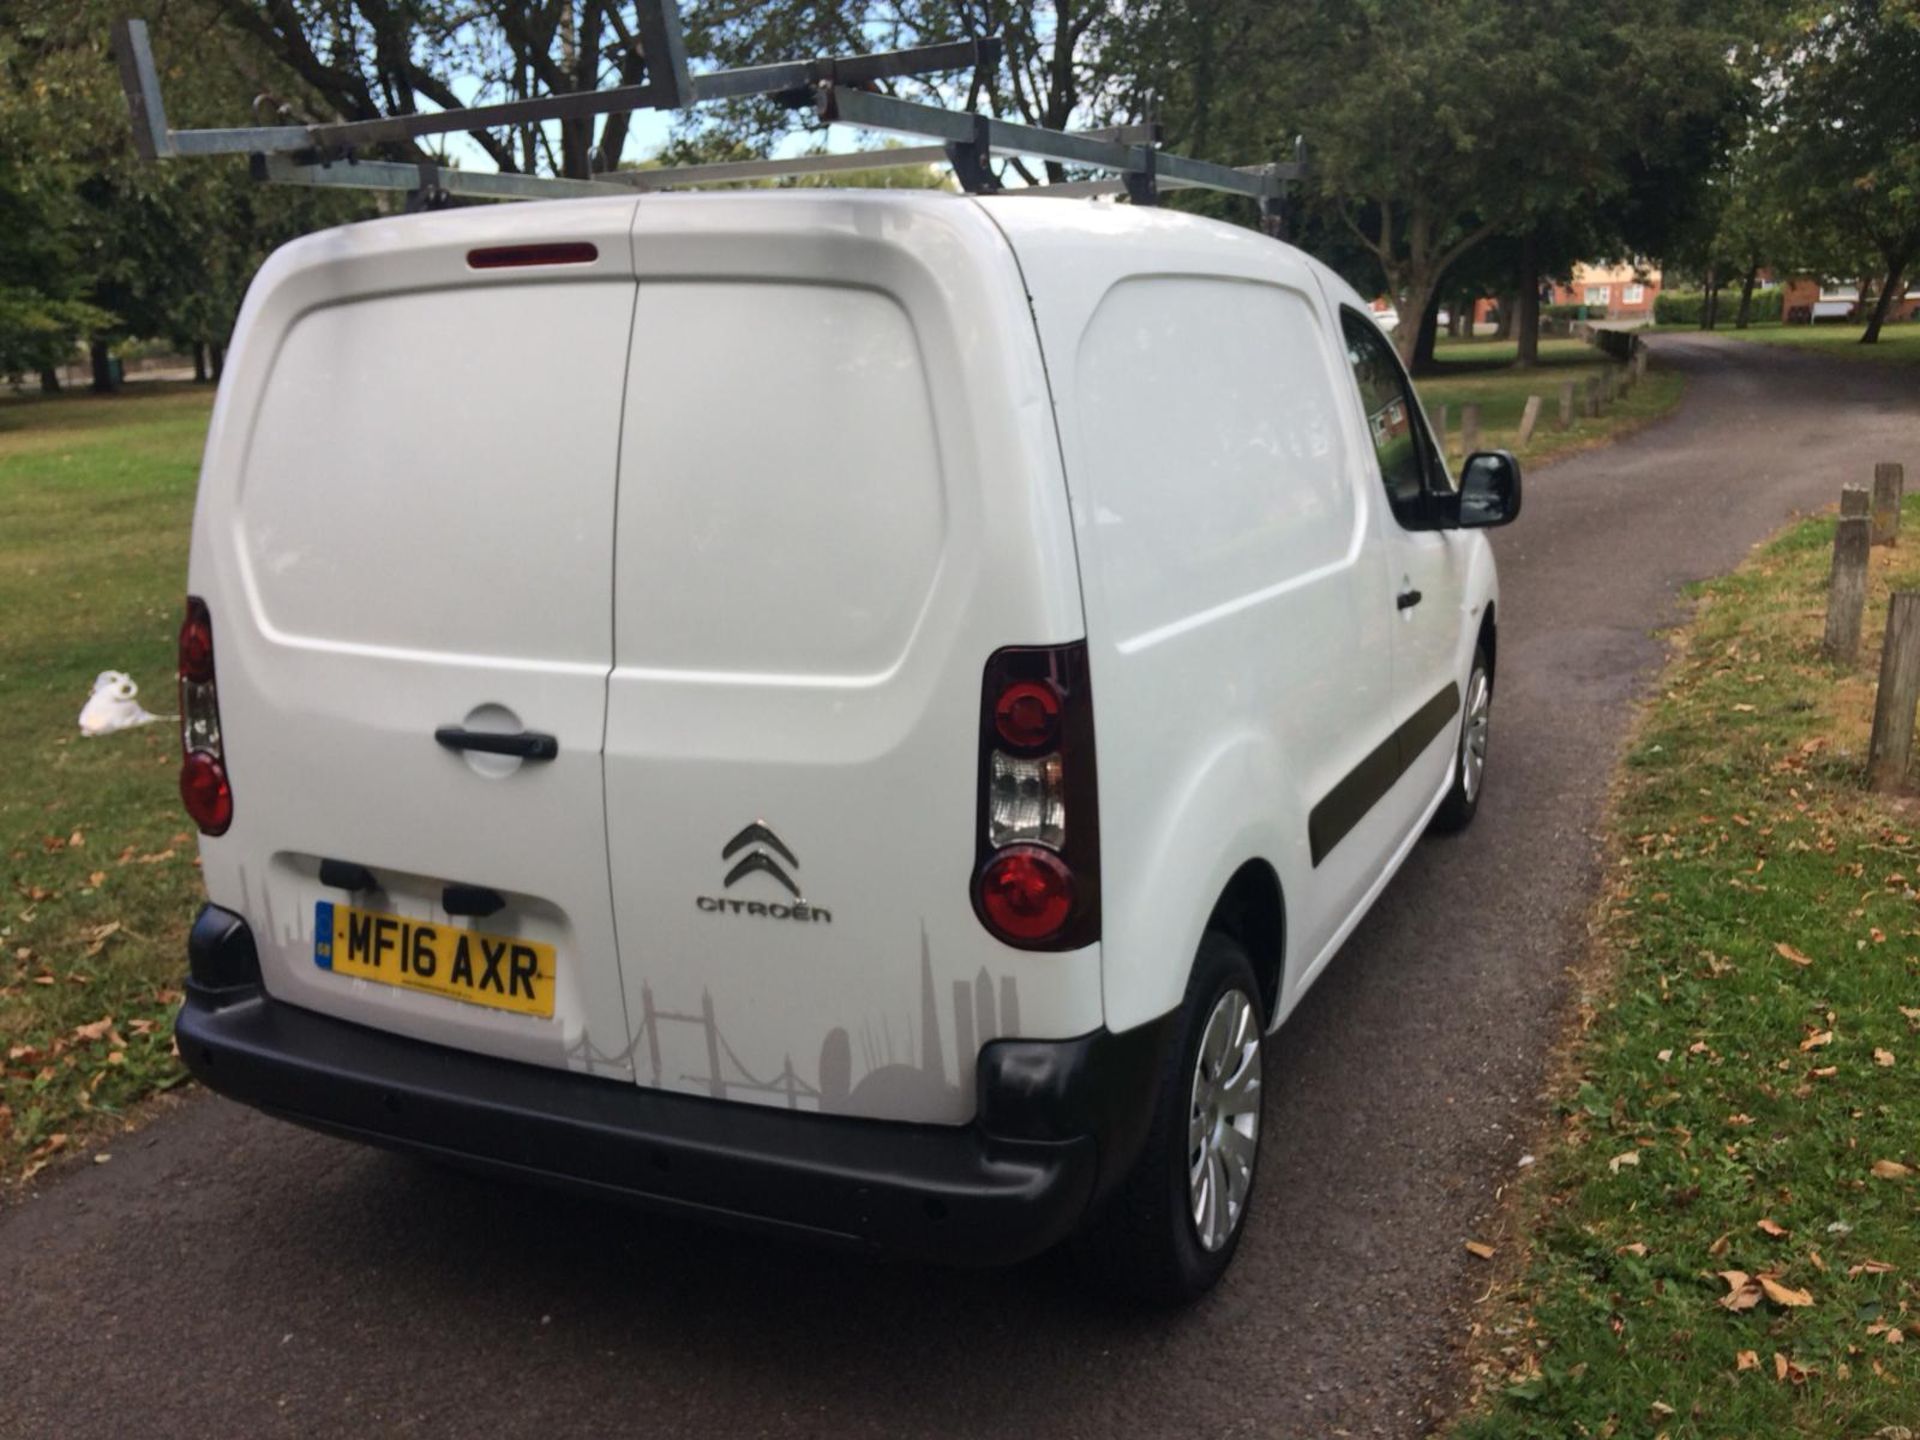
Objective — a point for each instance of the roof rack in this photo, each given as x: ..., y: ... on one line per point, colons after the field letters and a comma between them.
x: 842, y: 90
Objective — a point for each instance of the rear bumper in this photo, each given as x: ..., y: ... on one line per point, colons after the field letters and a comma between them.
x: 1058, y: 1122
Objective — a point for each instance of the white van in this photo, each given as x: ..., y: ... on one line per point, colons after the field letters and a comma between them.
x: 847, y: 712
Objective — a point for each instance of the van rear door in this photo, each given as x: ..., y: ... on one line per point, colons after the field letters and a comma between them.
x: 840, y: 493
x: 404, y: 533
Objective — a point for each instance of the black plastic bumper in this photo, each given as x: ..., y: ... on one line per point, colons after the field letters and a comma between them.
x: 1057, y: 1123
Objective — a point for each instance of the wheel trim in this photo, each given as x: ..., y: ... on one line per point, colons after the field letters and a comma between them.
x: 1473, y: 733
x: 1223, y: 1120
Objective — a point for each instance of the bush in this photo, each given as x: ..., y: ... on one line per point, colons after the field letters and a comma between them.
x: 1573, y: 312
x: 1683, y: 307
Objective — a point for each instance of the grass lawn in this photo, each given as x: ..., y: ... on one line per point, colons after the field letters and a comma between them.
x: 1477, y: 372
x: 1723, y: 1237
x: 1897, y: 345
x: 101, y: 881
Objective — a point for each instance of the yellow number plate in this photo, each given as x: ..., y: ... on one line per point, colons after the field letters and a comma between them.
x: 498, y: 971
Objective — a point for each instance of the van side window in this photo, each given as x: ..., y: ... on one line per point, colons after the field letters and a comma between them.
x: 1400, y: 443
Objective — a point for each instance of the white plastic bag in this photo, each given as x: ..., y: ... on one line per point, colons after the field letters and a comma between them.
x: 112, y: 705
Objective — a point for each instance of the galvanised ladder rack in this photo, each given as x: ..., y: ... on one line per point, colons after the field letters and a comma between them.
x: 838, y: 90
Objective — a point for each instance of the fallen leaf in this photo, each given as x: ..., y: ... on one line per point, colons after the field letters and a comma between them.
x: 1784, y: 1294
x: 95, y: 1031
x: 1636, y: 1249
x: 1870, y: 1267
x: 97, y: 879
x: 1480, y: 1248
x: 1747, y: 1360
x: 1817, y: 1039
x: 1779, y: 1366
x: 1818, y: 1263
x: 1883, y: 1058
x: 1891, y: 1170
x: 1719, y: 1247
x: 1896, y: 1337
x: 1742, y: 1291
x: 1742, y: 1119
x: 1787, y: 952
x: 1625, y: 1157
x: 76, y: 840
x: 1770, y: 1226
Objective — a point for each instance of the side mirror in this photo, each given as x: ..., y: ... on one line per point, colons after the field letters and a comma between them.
x: 1489, y: 490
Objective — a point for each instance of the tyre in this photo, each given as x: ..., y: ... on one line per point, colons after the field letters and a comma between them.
x: 1456, y: 812
x: 1170, y: 1229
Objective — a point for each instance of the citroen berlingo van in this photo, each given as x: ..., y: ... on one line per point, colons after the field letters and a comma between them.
x: 852, y: 713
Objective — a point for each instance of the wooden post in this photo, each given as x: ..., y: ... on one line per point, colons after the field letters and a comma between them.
x: 1566, y: 404
x: 1640, y: 361
x: 1853, y: 501
x: 1847, y: 588
x: 1610, y: 383
x: 1893, y: 705
x: 1529, y: 418
x: 1469, y: 429
x: 1889, y: 486
x: 1593, y: 397
x: 1440, y: 429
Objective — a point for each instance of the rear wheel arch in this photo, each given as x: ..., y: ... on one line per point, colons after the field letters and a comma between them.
x: 1252, y: 909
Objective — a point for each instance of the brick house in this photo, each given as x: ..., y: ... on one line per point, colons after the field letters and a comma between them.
x: 1621, y: 292
x: 1804, y: 299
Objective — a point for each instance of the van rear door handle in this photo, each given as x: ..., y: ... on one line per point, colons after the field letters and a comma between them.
x: 1408, y: 599
x: 528, y: 744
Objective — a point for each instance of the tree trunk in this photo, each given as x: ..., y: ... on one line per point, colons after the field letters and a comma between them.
x: 1710, y: 302
x: 1893, y: 290
x: 199, y: 362
x: 1527, y: 321
x: 219, y: 356
x: 102, y: 367
x: 1419, y: 359
x: 1744, y: 315
x: 49, y: 380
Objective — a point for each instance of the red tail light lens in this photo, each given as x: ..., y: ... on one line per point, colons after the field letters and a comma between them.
x: 205, y: 792
x: 196, y: 643
x: 1027, y: 893
x: 1037, y: 850
x: 1027, y: 714
x: 204, y: 788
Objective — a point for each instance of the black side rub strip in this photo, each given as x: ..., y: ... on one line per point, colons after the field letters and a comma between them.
x: 1348, y: 802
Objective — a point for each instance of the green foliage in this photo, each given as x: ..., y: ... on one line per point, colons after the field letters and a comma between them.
x: 1684, y: 307
x: 1574, y: 312
x: 100, y: 244
x: 1843, y: 129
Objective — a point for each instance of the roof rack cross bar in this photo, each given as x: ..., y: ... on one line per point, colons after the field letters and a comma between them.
x: 840, y: 90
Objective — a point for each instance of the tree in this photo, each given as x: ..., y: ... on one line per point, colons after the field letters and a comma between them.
x: 1845, y: 128
x: 1434, y: 126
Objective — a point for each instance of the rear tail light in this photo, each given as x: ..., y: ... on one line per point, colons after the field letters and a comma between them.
x: 1037, y: 853
x: 204, y: 788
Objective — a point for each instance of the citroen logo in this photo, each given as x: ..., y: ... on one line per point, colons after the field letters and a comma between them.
x: 758, y: 860
x: 764, y: 853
